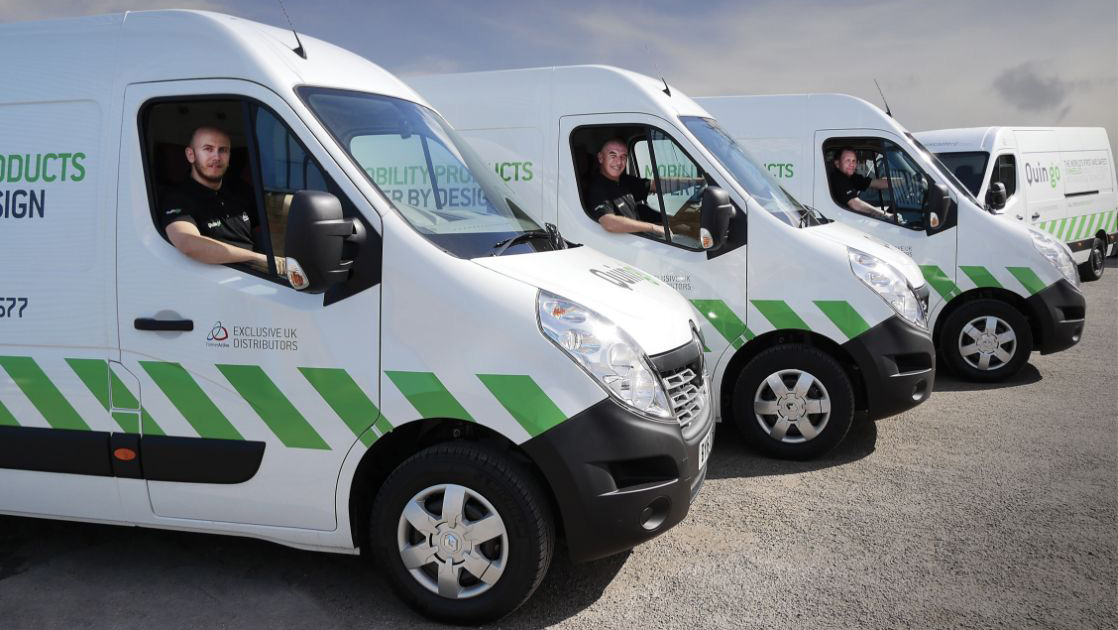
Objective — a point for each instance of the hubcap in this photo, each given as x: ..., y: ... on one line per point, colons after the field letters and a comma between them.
x: 1096, y: 260
x: 987, y: 343
x: 452, y: 541
x: 792, y: 406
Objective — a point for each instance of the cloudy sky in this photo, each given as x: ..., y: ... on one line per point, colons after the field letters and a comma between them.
x: 942, y: 63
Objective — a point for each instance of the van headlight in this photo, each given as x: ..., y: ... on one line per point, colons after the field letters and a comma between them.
x: 889, y: 283
x: 606, y: 352
x: 1057, y: 253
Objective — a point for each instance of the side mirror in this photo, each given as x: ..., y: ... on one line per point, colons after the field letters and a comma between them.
x: 715, y: 211
x: 995, y: 196
x: 936, y: 206
x: 317, y: 238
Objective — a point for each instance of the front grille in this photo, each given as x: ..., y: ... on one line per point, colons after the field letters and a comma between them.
x: 687, y: 396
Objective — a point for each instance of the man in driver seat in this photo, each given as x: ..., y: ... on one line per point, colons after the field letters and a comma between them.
x: 846, y: 185
x: 616, y: 198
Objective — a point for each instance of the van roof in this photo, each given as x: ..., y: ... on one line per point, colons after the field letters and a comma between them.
x: 786, y: 114
x: 517, y: 97
x: 83, y: 57
x: 1027, y: 138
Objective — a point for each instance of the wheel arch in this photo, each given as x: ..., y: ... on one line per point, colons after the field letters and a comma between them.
x: 388, y: 452
x: 774, y: 338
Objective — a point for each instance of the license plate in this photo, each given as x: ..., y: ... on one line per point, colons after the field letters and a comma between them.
x: 705, y: 446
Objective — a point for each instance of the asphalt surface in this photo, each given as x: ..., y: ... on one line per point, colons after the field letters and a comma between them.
x: 990, y: 506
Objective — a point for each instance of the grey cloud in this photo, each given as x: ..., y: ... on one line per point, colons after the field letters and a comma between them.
x: 1028, y: 89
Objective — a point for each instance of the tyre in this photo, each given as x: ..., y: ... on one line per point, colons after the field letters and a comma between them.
x: 465, y: 534
x: 986, y: 340
x: 793, y: 402
x: 1096, y: 263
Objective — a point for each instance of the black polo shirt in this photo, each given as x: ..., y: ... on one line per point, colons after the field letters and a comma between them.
x: 218, y: 214
x: 625, y: 197
x: 846, y: 187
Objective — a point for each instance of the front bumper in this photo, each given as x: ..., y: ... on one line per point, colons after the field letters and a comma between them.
x: 1058, y: 314
x: 898, y: 366
x: 619, y: 479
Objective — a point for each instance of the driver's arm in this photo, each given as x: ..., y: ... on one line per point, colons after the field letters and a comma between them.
x: 879, y: 184
x: 186, y: 238
x: 861, y: 207
x: 618, y: 224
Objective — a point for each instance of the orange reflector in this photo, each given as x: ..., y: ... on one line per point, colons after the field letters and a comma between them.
x: 124, y: 454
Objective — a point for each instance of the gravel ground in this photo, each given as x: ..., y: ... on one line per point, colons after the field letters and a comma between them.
x: 986, y: 507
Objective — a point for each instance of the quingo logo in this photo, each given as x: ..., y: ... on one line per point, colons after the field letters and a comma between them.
x: 218, y: 333
x: 1037, y: 174
x: 621, y: 276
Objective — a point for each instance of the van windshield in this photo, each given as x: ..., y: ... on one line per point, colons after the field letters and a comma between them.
x: 968, y: 166
x: 946, y: 172
x: 428, y: 173
x: 748, y: 172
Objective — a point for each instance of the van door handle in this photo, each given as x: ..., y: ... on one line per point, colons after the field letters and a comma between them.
x: 150, y: 323
x: 1036, y: 215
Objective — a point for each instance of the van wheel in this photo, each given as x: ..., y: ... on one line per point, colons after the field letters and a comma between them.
x: 793, y: 402
x: 1092, y: 269
x: 986, y: 340
x: 465, y: 534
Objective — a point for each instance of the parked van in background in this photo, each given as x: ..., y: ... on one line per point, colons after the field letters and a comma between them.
x: 1001, y: 289
x: 1057, y: 179
x: 806, y: 320
x: 452, y: 387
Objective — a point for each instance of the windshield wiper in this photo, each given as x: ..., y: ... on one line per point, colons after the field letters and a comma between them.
x: 551, y: 234
x: 814, y: 214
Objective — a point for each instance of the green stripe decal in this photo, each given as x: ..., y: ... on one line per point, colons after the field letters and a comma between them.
x: 525, y: 401
x: 97, y: 376
x: 42, y: 393
x: 1028, y: 279
x: 426, y: 393
x: 6, y: 417
x: 1060, y: 230
x: 943, y: 285
x: 779, y: 314
x: 724, y: 320
x: 843, y: 315
x: 981, y: 277
x: 344, y: 396
x: 383, y: 425
x: 190, y: 400
x: 272, y: 406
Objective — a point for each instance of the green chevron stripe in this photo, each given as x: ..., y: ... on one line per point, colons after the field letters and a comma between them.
x: 779, y: 314
x: 383, y: 425
x: 42, y: 393
x: 1060, y: 230
x: 943, y: 285
x: 1028, y: 279
x: 272, y: 406
x: 981, y: 277
x: 1084, y: 226
x: 344, y: 396
x: 1051, y: 227
x: 724, y: 320
x: 525, y: 401
x: 6, y: 417
x: 843, y: 315
x: 98, y: 378
x: 427, y: 394
x: 193, y: 403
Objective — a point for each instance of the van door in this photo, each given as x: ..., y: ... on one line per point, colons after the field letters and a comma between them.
x: 657, y: 152
x: 252, y: 392
x: 57, y: 309
x: 882, y: 157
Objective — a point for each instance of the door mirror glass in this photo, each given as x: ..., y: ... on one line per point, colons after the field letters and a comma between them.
x: 320, y: 243
x: 996, y: 196
x: 937, y: 205
x: 714, y: 217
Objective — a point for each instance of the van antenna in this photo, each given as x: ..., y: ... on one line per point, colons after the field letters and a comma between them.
x: 883, y: 99
x: 667, y: 90
x: 299, y: 47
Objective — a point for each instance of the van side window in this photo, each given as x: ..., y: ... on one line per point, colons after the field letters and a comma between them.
x: 1005, y: 171
x: 254, y: 132
x: 884, y: 177
x: 679, y: 185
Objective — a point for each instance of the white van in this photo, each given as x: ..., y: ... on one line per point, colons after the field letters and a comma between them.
x: 1056, y: 179
x: 1001, y: 290
x: 453, y: 387
x: 805, y: 322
